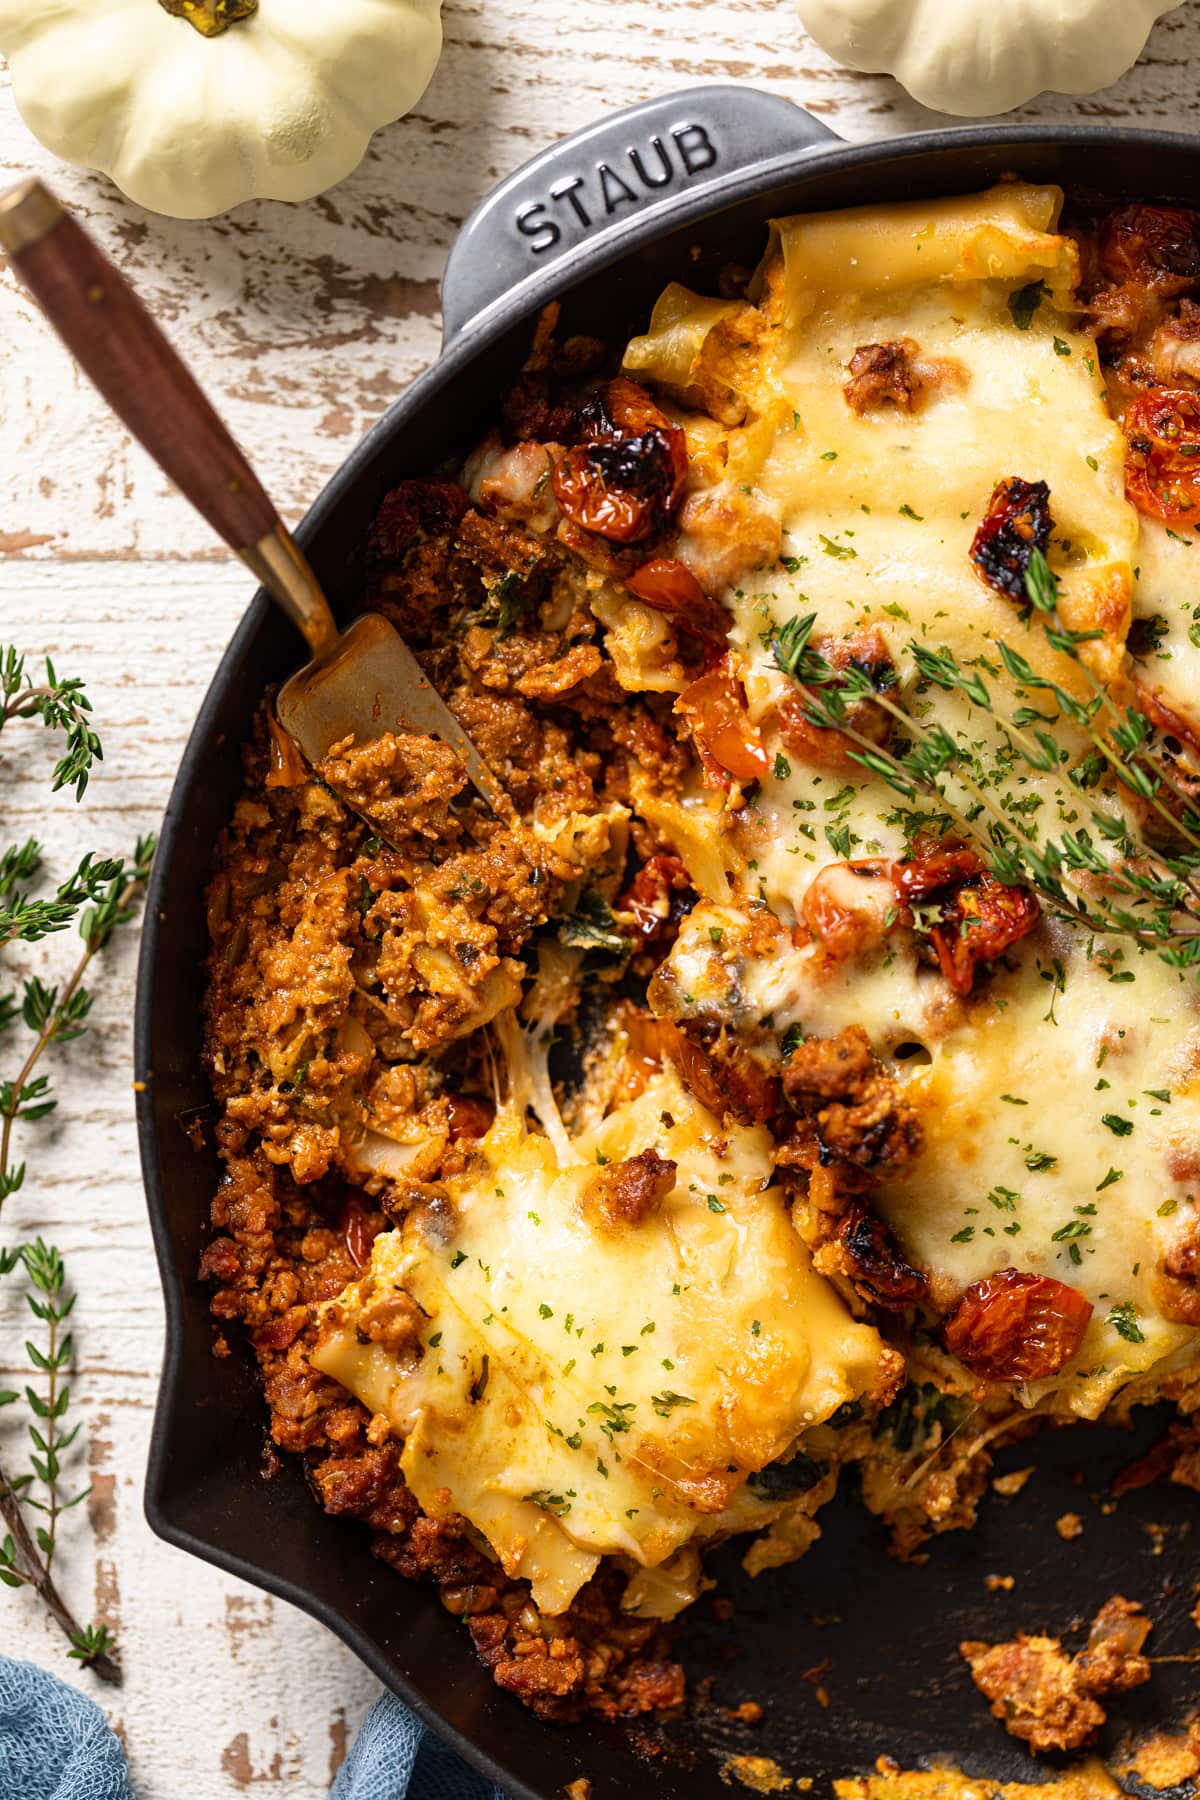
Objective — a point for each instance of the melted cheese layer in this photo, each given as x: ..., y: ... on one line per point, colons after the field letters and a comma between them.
x: 1091, y: 1176
x: 584, y: 1391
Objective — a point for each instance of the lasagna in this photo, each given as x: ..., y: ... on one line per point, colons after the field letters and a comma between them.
x: 806, y: 1074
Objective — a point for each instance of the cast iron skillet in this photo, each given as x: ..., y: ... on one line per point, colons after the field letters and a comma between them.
x: 671, y: 190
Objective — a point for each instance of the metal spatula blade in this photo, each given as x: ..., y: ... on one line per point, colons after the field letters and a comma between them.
x: 360, y: 683
x: 370, y: 684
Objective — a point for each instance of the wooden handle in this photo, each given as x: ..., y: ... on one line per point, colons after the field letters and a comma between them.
x: 119, y: 347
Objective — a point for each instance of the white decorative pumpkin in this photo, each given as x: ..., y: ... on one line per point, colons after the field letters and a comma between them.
x: 985, y: 56
x: 192, y: 106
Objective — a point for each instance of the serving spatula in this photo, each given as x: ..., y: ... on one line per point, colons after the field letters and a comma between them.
x: 363, y: 680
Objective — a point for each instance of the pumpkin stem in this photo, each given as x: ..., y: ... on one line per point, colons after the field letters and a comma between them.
x: 210, y: 17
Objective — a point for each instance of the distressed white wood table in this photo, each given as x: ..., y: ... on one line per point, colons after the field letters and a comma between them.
x: 304, y: 323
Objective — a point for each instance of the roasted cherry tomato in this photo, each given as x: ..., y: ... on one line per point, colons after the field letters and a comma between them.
x: 979, y: 918
x: 725, y: 738
x: 1017, y: 523
x: 625, y: 477
x: 1150, y: 246
x: 849, y: 907
x: 620, y: 491
x: 824, y: 747
x: 934, y: 866
x: 669, y: 586
x: 1017, y: 1327
x: 1162, y: 465
x: 659, y: 895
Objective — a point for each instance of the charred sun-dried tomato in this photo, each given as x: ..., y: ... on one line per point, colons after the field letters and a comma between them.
x: 418, y: 506
x: 669, y: 586
x: 1150, y: 246
x: 1156, y: 1465
x: 978, y: 917
x: 984, y: 920
x: 934, y: 866
x: 1162, y: 463
x: 356, y: 1231
x: 1180, y: 738
x: 726, y: 740
x: 876, y: 1265
x: 625, y: 477
x: 659, y: 895
x: 1017, y: 523
x: 738, y: 1083
x: 468, y: 1116
x: 1017, y: 1327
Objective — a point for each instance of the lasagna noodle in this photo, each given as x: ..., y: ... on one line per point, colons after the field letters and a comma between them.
x: 878, y: 511
x: 585, y: 1389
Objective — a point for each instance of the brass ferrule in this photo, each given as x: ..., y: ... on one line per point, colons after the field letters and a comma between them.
x: 281, y: 566
x: 28, y: 213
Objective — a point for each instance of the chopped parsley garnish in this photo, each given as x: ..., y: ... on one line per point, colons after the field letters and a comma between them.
x: 613, y: 1417
x: 1110, y: 1180
x: 664, y: 1404
x: 1117, y: 1125
x: 557, y: 1504
x: 1124, y: 1321
x: 832, y: 549
x: 1024, y: 303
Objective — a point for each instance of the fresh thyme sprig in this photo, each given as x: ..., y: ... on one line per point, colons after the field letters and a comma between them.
x: 27, y: 1558
x: 99, y: 896
x: 1161, y: 889
x: 61, y: 705
x: 22, y: 916
x: 56, y: 1016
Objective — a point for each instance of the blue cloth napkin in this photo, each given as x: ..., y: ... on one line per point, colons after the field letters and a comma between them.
x: 396, y: 1758
x: 55, y: 1744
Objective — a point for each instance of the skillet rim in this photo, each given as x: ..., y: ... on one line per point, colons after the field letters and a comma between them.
x: 571, y: 268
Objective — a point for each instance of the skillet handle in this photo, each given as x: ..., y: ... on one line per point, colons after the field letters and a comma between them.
x: 120, y: 348
x: 614, y: 180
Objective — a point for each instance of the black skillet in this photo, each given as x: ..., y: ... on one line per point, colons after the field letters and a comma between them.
x: 671, y: 190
